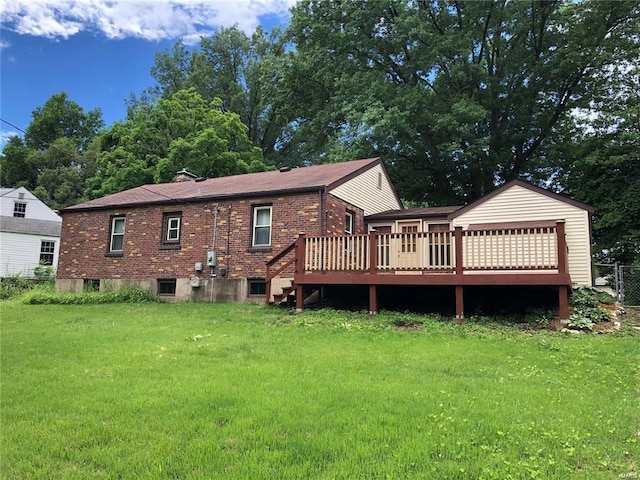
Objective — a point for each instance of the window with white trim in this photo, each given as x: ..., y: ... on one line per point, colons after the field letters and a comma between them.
x: 47, y: 250
x: 116, y: 243
x: 171, y: 226
x: 348, y: 223
x: 261, y: 226
x: 19, y: 209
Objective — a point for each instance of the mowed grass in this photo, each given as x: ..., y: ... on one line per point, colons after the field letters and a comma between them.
x: 239, y: 391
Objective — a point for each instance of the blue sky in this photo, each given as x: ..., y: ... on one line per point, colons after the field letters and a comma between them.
x: 100, y: 51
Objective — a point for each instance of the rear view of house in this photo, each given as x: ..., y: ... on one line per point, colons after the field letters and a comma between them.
x: 283, y: 235
x: 29, y: 233
x: 210, y: 239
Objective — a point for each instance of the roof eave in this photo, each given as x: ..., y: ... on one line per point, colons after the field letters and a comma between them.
x: 528, y: 186
x: 186, y: 200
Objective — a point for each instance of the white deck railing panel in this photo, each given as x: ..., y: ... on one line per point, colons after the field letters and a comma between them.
x: 497, y: 249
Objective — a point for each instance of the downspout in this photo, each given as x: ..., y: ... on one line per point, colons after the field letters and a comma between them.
x: 213, y: 245
x: 320, y: 212
x: 229, y: 241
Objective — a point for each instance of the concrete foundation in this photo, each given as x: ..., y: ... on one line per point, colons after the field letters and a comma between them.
x: 194, y: 289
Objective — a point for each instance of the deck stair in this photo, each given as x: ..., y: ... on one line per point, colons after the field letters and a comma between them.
x: 286, y: 297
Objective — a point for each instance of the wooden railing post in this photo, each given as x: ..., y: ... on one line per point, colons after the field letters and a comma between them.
x: 268, y: 285
x: 373, y: 252
x: 299, y: 253
x: 457, y: 235
x: 562, y: 247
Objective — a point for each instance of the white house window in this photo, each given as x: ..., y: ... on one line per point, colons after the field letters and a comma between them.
x: 261, y: 226
x: 379, y: 181
x: 47, y: 249
x: 19, y: 209
x: 172, y: 227
x: 348, y: 223
x: 117, y: 234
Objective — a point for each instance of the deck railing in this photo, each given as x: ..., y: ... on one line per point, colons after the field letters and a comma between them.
x: 527, y: 248
x: 533, y: 248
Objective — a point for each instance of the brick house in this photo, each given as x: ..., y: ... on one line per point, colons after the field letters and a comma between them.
x: 209, y: 239
x: 283, y: 235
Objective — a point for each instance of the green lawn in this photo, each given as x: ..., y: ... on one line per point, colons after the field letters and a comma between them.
x: 238, y: 391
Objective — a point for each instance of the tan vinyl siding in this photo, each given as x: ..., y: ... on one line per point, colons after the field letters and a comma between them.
x: 363, y: 191
x: 518, y: 204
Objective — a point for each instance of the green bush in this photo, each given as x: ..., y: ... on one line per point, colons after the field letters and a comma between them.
x: 41, y: 296
x: 587, y: 310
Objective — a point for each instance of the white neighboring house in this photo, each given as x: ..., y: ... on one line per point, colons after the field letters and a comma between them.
x: 29, y: 233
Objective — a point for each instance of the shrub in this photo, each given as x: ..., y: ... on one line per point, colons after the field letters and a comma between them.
x: 40, y: 296
x: 587, y: 310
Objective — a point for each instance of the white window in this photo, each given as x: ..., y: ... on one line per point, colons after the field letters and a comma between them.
x: 47, y: 249
x: 172, y: 227
x: 261, y: 226
x: 348, y: 223
x: 117, y: 234
x: 19, y: 209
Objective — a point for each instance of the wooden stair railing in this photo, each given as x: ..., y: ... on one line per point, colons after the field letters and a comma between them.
x: 272, y: 274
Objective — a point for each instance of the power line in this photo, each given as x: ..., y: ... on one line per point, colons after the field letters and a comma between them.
x: 12, y: 125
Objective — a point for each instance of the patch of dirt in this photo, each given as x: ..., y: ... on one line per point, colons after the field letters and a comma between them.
x: 408, y: 325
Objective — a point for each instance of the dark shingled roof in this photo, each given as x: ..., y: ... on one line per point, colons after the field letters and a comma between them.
x: 413, y: 213
x: 252, y: 184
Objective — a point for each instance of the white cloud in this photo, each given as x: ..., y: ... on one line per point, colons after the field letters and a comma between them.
x: 147, y: 19
x: 5, y: 135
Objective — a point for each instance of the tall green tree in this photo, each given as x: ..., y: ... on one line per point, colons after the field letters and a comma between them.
x: 161, y: 138
x: 457, y: 96
x: 56, y: 156
x: 603, y: 166
x: 239, y: 70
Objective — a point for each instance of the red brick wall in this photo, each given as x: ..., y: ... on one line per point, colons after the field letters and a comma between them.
x: 85, y: 238
x: 335, y: 210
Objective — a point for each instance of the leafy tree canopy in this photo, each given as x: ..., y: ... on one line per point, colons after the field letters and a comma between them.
x: 237, y: 70
x: 456, y: 96
x: 56, y: 155
x: 161, y: 138
x: 603, y: 167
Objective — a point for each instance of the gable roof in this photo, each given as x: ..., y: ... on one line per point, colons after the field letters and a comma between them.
x: 528, y: 186
x: 326, y: 176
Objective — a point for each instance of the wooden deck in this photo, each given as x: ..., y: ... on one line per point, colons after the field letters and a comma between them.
x: 531, y: 255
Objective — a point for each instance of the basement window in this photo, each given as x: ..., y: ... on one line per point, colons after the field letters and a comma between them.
x: 257, y: 287
x: 91, y: 285
x: 167, y: 286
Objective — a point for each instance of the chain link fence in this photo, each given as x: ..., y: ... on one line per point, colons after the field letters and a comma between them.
x: 621, y: 281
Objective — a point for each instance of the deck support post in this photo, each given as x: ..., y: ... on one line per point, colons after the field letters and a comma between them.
x: 299, y: 298
x: 459, y: 302
x: 563, y: 303
x: 299, y: 270
x: 373, y: 300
